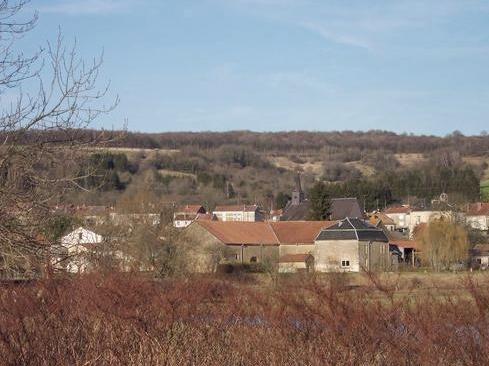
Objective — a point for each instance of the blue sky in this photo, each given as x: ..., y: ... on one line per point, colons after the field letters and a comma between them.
x: 407, y: 66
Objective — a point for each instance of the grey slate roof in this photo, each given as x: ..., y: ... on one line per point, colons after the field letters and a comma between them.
x: 353, y: 229
x: 342, y: 208
x: 298, y: 212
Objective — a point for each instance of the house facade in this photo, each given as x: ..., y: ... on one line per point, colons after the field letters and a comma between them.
x: 479, y: 256
x: 400, y: 215
x: 75, y: 250
x: 241, y: 213
x: 185, y: 215
x: 351, y: 245
x: 477, y: 216
x: 380, y: 219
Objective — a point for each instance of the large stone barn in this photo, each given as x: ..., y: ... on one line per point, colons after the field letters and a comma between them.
x: 256, y: 242
x: 351, y: 245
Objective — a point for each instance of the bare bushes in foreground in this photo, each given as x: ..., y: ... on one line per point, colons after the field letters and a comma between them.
x: 131, y: 320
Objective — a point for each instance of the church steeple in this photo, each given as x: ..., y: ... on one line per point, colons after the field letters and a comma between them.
x: 297, y: 193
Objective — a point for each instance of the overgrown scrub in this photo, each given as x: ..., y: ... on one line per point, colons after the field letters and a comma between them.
x: 131, y: 320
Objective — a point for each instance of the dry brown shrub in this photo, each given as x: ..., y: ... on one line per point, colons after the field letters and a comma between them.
x: 300, y: 320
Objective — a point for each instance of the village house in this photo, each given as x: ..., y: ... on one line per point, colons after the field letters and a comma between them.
x: 185, y: 215
x: 479, y: 256
x: 406, y: 218
x: 477, y: 216
x: 246, y: 213
x: 380, y: 219
x: 351, y: 245
x: 275, y: 215
x: 420, y: 217
x: 75, y: 250
x: 401, y: 215
x: 84, y: 250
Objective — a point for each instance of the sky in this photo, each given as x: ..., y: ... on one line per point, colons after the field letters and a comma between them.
x: 415, y: 66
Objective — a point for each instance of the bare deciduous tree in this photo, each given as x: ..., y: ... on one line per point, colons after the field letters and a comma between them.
x: 52, y: 91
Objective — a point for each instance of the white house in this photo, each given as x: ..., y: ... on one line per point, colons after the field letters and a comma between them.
x: 425, y: 216
x: 248, y: 213
x: 75, y: 248
x: 400, y: 215
x: 185, y: 215
x: 477, y: 216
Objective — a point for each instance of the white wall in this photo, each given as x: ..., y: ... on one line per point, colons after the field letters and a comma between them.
x: 478, y: 222
x: 248, y: 216
x: 329, y: 254
x: 402, y: 220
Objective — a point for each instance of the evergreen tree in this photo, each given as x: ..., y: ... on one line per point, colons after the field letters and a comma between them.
x: 320, y: 198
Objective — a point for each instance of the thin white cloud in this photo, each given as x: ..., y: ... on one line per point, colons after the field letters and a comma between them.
x: 87, y: 7
x: 360, y: 24
x: 337, y: 37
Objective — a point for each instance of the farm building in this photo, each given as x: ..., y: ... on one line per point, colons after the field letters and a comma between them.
x: 255, y: 242
x: 351, y: 245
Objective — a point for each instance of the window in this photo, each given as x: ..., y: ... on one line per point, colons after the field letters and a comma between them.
x: 80, y: 236
x: 345, y: 263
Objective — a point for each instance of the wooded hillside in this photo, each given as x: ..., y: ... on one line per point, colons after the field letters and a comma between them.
x: 249, y: 167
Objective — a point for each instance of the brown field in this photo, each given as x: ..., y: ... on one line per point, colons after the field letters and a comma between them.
x: 410, y: 160
x: 478, y: 160
x: 174, y: 173
x: 313, y: 167
x: 366, y: 170
x: 406, y: 319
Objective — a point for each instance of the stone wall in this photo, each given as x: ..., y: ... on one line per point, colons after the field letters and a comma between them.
x: 329, y: 254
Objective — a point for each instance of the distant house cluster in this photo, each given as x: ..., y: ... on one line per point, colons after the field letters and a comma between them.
x: 351, y: 240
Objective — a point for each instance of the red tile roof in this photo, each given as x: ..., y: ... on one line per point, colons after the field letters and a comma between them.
x: 240, y: 233
x: 398, y: 210
x: 265, y: 233
x: 478, y: 209
x: 407, y: 244
x: 299, y: 232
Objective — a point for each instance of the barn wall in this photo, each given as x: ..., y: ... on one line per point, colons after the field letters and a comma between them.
x: 328, y: 255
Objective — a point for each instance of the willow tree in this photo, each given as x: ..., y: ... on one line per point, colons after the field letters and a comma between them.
x: 46, y: 99
x: 444, y: 243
